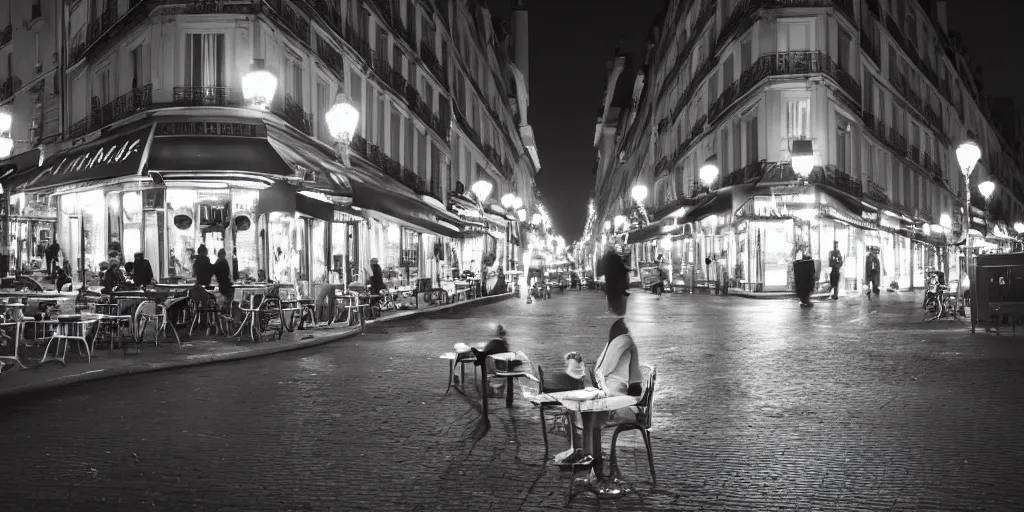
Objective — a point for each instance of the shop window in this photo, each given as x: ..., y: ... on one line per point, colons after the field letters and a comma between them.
x: 410, y: 259
x: 82, y: 233
x: 204, y: 60
x: 280, y: 243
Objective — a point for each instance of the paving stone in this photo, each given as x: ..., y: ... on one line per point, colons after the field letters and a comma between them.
x: 761, y: 405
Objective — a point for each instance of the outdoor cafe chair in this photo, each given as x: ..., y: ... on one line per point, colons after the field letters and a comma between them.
x: 149, y: 311
x: 643, y: 411
x: 70, y: 328
x: 202, y: 306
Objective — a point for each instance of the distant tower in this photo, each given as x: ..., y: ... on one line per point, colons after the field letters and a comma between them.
x: 521, y: 41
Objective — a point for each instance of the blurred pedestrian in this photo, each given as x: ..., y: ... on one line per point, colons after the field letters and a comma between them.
x: 142, y: 271
x: 835, y: 262
x: 616, y: 280
x: 872, y: 272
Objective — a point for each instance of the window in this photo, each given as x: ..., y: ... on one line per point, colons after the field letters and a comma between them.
x: 796, y: 36
x: 323, y: 103
x: 141, y: 74
x: 751, y: 144
x: 746, y: 55
x: 395, y: 145
x: 382, y: 42
x: 728, y: 71
x: 843, y: 58
x: 713, y: 87
x: 204, y: 60
x: 797, y: 119
x: 104, y: 88
x: 407, y: 157
x: 37, y: 9
x: 398, y: 62
x: 293, y: 87
x: 843, y: 149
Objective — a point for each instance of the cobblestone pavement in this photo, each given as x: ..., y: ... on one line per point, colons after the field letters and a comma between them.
x: 761, y: 405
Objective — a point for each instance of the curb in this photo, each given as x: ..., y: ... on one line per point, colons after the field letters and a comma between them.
x: 348, y: 332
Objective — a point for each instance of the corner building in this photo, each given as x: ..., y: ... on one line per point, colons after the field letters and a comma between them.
x: 883, y: 93
x: 156, y: 149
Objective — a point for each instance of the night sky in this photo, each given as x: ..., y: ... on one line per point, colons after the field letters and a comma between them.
x: 571, y: 42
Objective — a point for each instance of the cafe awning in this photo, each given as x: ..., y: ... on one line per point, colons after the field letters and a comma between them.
x: 723, y: 200
x: 373, y: 190
x: 117, y: 155
x: 187, y: 149
x: 651, y: 231
x: 13, y: 169
x: 282, y: 197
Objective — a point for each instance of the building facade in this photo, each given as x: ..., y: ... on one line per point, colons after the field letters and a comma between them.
x: 877, y: 92
x: 153, y: 146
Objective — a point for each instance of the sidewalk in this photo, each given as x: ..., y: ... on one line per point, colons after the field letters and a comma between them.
x: 198, y: 350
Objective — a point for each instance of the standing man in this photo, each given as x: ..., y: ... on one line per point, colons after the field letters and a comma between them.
x: 835, y: 260
x: 52, y: 252
x: 872, y: 272
x: 616, y: 279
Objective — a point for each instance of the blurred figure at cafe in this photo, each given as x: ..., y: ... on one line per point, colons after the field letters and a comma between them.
x: 142, y: 273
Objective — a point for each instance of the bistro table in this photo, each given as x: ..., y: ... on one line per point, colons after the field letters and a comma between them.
x: 588, y: 403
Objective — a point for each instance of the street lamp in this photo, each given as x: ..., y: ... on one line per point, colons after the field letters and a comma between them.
x: 967, y: 155
x: 620, y: 221
x: 342, y: 120
x: 508, y: 200
x: 709, y: 171
x: 6, y: 142
x: 986, y: 188
x: 517, y: 203
x: 481, y: 190
x: 536, y: 219
x: 521, y: 213
x: 803, y: 158
x: 258, y: 88
x: 639, y: 193
x: 945, y: 221
x: 607, y: 225
x: 1018, y: 227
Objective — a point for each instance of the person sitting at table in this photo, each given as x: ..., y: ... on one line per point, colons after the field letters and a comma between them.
x: 497, y: 345
x: 617, y: 373
x: 142, y: 275
x: 113, y: 278
x: 202, y: 268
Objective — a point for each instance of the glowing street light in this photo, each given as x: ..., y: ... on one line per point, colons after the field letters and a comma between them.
x: 620, y: 221
x: 536, y: 219
x: 258, y: 88
x: 967, y: 155
x: 517, y: 203
x: 945, y: 221
x: 709, y: 171
x: 639, y: 193
x: 6, y: 142
x: 481, y: 190
x: 803, y: 158
x: 1018, y: 227
x: 986, y: 188
x: 508, y: 200
x: 521, y: 213
x: 342, y: 120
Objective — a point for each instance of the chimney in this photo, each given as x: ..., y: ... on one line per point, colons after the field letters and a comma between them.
x: 521, y: 40
x: 941, y: 10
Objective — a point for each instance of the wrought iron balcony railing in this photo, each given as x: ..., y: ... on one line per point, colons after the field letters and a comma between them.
x: 292, y: 111
x: 204, y: 96
x: 430, y: 59
x: 290, y: 18
x: 331, y: 57
x: 8, y: 86
x: 125, y: 105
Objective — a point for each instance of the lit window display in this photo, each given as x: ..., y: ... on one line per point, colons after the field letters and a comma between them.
x: 181, y: 235
x: 280, y: 242
x: 131, y: 207
x: 410, y: 261
x: 82, y: 227
x: 318, y: 273
x: 344, y: 269
x: 246, y: 251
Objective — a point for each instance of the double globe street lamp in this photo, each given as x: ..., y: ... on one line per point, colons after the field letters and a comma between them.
x: 967, y: 155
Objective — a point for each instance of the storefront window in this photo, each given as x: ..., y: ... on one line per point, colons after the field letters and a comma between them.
x: 779, y: 252
x: 246, y: 252
x: 181, y: 234
x: 410, y: 261
x: 82, y: 224
x: 318, y: 251
x: 280, y: 241
x: 342, y: 265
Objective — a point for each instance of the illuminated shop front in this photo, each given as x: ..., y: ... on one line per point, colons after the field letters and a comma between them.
x: 33, y: 223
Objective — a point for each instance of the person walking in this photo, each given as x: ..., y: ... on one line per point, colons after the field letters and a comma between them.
x: 835, y: 261
x: 872, y: 272
x: 616, y: 281
x: 52, y: 253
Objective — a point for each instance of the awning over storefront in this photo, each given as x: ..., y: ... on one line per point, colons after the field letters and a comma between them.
x: 652, y: 231
x: 17, y: 165
x: 282, y: 197
x: 723, y: 200
x: 117, y: 155
x: 372, y: 190
x: 192, y: 150
x: 328, y: 174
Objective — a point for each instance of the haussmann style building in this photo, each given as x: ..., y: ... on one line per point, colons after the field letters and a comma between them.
x: 757, y: 131
x: 163, y: 125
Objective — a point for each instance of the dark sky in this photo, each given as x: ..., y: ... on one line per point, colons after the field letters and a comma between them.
x: 571, y: 42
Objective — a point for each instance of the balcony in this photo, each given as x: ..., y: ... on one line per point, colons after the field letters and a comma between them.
x: 430, y: 59
x: 203, y: 96
x: 394, y: 20
x: 782, y: 64
x: 898, y: 142
x: 79, y: 128
x: 136, y: 100
x: 8, y: 87
x: 874, y: 9
x: 291, y: 110
x: 393, y: 79
x: 358, y: 145
x: 393, y: 169
x: 915, y: 154
x: 876, y: 192
x: 358, y: 42
x: 870, y: 47
x: 290, y: 18
x: 6, y: 35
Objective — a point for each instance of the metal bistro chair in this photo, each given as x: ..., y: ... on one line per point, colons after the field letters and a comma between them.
x: 262, y: 309
x: 149, y: 311
x: 203, y: 305
x: 644, y: 411
x: 69, y: 328
x: 564, y: 419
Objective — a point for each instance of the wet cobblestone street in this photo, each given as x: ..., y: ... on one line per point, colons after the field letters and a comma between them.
x: 760, y: 405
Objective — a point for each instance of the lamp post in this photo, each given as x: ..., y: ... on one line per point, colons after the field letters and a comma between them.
x: 967, y: 155
x: 508, y: 200
x: 342, y: 120
x: 258, y: 88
